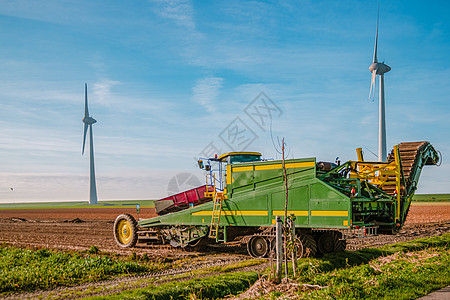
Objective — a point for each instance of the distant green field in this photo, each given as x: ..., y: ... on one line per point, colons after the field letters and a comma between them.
x: 431, y: 197
x: 77, y: 204
x: 150, y: 203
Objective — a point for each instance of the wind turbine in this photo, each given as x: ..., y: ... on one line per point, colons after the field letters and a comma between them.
x: 379, y: 68
x: 88, y: 121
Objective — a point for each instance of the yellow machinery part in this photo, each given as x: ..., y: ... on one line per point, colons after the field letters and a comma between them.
x: 380, y: 174
x: 124, y: 231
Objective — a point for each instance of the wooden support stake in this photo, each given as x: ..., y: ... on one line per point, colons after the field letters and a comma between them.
x: 294, y: 248
x: 279, y: 248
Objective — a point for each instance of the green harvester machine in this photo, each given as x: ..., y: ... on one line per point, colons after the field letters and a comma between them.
x: 331, y: 202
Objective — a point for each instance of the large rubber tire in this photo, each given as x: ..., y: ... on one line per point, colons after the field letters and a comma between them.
x: 339, y: 245
x: 326, y: 243
x: 125, y: 231
x: 258, y: 247
x: 309, y: 245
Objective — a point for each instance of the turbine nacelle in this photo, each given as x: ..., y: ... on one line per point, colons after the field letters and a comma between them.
x: 89, y: 120
x: 380, y: 68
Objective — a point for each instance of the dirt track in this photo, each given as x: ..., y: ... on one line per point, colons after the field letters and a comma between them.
x: 106, y: 213
x: 54, y: 228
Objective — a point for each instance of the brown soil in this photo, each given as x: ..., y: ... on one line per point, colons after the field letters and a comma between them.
x: 104, y: 213
x: 79, y: 229
x: 423, y: 213
x: 419, y: 213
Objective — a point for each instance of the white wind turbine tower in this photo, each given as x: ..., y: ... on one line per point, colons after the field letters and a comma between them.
x: 88, y: 121
x: 378, y: 68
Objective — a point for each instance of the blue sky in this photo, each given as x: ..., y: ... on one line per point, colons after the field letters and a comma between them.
x: 167, y: 79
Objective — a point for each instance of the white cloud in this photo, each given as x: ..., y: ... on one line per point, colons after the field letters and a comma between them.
x: 186, y: 36
x: 206, y: 91
x: 102, y: 90
x: 180, y: 11
x: 42, y: 91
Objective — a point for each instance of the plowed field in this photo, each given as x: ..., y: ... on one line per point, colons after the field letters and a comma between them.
x: 78, y: 229
x: 107, y: 213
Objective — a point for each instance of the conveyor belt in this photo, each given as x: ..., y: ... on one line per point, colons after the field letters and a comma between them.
x: 409, y: 154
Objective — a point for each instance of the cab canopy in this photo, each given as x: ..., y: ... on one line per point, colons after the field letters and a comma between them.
x: 240, y: 157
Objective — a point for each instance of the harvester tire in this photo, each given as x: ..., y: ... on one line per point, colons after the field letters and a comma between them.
x: 257, y: 247
x: 326, y: 243
x: 339, y: 244
x: 309, y: 245
x: 125, y: 231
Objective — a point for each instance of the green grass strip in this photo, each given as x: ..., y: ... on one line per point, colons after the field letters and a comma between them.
x: 349, y: 275
x: 431, y: 197
x: 212, y: 287
x: 25, y: 270
x: 404, y: 277
x: 79, y: 204
x: 310, y: 267
x: 409, y: 274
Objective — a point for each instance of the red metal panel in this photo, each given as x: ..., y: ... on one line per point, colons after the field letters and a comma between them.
x: 194, y: 196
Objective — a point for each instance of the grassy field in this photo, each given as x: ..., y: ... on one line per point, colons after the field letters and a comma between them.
x: 405, y: 270
x: 431, y: 197
x: 150, y: 203
x: 77, y: 204
x: 27, y: 270
x: 213, y: 287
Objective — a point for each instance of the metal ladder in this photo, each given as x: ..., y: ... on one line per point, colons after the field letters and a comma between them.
x: 212, y: 185
x: 215, y: 217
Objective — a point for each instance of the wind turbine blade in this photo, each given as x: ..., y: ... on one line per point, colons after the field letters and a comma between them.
x: 84, y: 138
x: 376, y: 37
x: 86, y: 110
x: 372, y: 84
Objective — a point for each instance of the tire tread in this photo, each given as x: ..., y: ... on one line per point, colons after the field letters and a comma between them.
x: 133, y: 223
